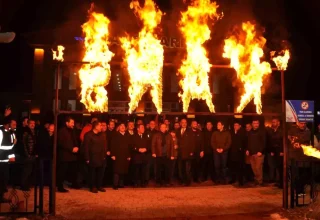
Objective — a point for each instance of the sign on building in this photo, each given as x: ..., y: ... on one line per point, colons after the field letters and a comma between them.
x: 299, y: 111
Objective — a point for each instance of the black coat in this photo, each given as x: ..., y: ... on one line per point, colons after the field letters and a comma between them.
x: 256, y: 141
x: 185, y: 144
x: 207, y: 141
x: 138, y: 143
x: 45, y: 145
x: 67, y: 140
x: 238, y: 143
x: 95, y: 148
x: 120, y: 148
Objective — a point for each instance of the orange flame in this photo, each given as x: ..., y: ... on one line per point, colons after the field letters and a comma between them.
x: 281, y: 60
x: 311, y: 151
x: 96, y: 75
x: 244, y: 53
x: 58, y: 54
x: 196, y: 66
x: 144, y: 56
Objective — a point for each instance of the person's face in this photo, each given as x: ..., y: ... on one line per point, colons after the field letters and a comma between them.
x: 302, y: 125
x: 147, y: 126
x: 122, y: 128
x: 13, y: 124
x: 98, y: 127
x: 163, y: 128
x: 255, y: 125
x: 275, y: 123
x: 46, y: 125
x: 248, y: 127
x: 236, y: 126
x: 70, y: 123
x: 25, y: 122
x: 209, y: 126
x: 130, y: 126
x: 173, y: 134
x: 194, y: 125
x: 152, y: 125
x: 103, y: 126
x: 31, y: 124
x: 220, y: 126
x: 141, y: 129
x: 176, y: 126
x: 51, y: 129
x: 167, y: 122
x: 183, y: 123
x: 139, y: 122
x: 112, y: 125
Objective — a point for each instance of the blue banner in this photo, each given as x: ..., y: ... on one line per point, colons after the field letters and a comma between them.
x: 299, y: 111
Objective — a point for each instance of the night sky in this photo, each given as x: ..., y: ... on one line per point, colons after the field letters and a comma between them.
x: 293, y: 21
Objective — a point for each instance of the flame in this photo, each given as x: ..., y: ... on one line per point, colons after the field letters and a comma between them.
x: 144, y: 56
x: 96, y: 75
x: 311, y: 151
x: 196, y: 66
x: 281, y: 60
x: 58, y: 54
x: 244, y: 53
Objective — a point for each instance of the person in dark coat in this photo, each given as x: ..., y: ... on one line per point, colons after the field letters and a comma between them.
x: 68, y: 151
x: 220, y: 142
x: 275, y: 151
x: 197, y: 142
x: 45, y: 150
x: 140, y: 149
x: 185, y: 155
x: 207, y: 162
x: 163, y: 151
x: 151, y: 161
x: 95, y: 148
x: 299, y: 135
x: 237, y: 154
x: 120, y: 153
x: 111, y: 131
x: 256, y: 149
x: 30, y: 154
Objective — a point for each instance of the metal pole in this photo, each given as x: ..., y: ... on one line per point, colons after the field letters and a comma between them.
x: 285, y: 147
x: 178, y: 113
x: 54, y: 158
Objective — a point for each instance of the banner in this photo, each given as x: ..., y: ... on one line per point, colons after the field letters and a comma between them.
x: 299, y: 111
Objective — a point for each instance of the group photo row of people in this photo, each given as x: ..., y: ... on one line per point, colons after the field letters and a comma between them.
x: 144, y: 153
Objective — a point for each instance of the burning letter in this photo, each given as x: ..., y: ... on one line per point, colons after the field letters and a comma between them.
x: 244, y: 52
x: 144, y: 56
x: 196, y: 66
x: 96, y: 75
x: 281, y: 60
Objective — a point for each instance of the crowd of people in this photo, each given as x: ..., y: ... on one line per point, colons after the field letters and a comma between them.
x: 136, y: 153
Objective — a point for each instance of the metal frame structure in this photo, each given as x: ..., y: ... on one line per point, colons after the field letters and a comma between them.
x: 52, y: 208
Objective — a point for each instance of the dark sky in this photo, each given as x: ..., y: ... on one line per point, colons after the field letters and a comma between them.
x: 293, y: 21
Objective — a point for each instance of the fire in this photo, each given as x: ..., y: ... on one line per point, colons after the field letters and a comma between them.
x: 58, y: 55
x: 96, y: 75
x: 144, y: 56
x: 311, y: 151
x: 244, y: 52
x: 281, y: 60
x: 196, y: 66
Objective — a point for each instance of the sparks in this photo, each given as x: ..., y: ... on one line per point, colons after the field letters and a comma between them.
x: 144, y: 56
x: 281, y: 60
x: 58, y: 54
x: 244, y: 52
x: 196, y: 66
x: 96, y: 75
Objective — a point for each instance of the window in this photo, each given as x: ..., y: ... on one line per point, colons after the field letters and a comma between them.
x: 174, y: 82
x: 71, y: 105
x: 72, y: 80
x: 60, y: 79
x: 215, y: 84
x: 59, y: 104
